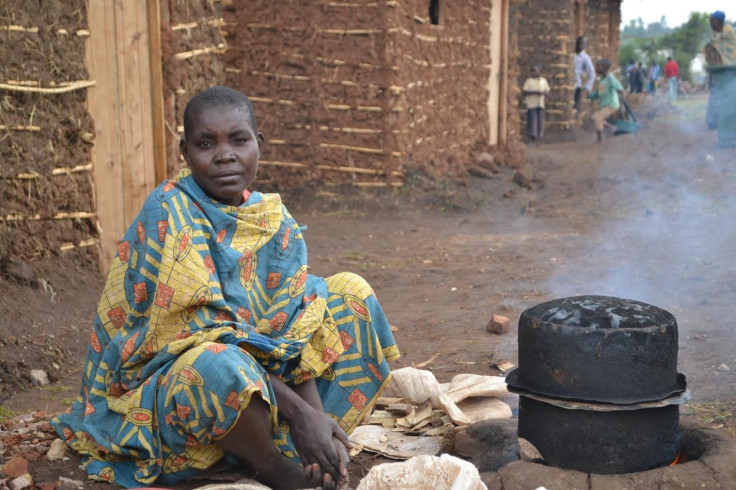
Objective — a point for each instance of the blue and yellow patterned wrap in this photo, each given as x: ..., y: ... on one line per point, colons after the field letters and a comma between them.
x: 201, y: 301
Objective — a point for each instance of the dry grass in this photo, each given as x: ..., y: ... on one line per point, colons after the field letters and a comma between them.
x: 720, y: 415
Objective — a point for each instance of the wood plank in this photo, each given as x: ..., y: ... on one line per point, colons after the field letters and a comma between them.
x: 103, y: 103
x: 157, y: 89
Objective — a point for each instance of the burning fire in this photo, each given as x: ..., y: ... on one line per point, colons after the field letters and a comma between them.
x: 680, y: 458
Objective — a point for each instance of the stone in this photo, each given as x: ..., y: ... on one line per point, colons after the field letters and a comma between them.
x: 57, y: 450
x: 18, y: 271
x: 39, y: 377
x: 523, y: 475
x: 488, y: 444
x: 499, y: 324
x: 478, y: 171
x: 522, y: 180
x: 69, y: 484
x: 23, y: 481
x: 528, y: 452
x: 15, y: 467
x: 485, y: 160
x: 46, y: 485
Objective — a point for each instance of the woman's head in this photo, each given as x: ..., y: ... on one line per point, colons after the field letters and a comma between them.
x: 580, y: 44
x: 717, y: 20
x: 221, y: 144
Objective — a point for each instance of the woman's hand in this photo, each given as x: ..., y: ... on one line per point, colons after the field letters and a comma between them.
x: 320, y: 440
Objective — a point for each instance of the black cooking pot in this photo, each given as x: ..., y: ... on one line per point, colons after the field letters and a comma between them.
x: 605, y: 442
x: 598, y: 348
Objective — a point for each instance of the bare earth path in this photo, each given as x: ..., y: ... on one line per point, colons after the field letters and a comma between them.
x: 648, y: 217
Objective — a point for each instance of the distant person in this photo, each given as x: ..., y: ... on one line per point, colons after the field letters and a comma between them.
x: 637, y: 79
x: 607, y: 92
x: 720, y: 50
x: 653, y: 77
x: 583, y: 65
x: 535, y: 90
x: 671, y: 72
x: 629, y: 69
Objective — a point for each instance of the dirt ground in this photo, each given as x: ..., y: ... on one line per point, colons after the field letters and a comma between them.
x: 646, y: 216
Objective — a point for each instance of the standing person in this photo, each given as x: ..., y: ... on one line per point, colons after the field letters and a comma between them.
x: 671, y: 72
x: 211, y: 337
x: 607, y: 93
x: 720, y: 50
x: 653, y: 77
x: 535, y: 90
x: 583, y: 65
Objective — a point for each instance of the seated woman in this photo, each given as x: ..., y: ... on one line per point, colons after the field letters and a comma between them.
x: 212, y: 339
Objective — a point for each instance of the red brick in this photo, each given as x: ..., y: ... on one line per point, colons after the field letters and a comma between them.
x: 498, y: 324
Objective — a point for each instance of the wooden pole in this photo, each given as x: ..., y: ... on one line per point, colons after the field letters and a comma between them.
x: 157, y: 89
x: 504, y: 82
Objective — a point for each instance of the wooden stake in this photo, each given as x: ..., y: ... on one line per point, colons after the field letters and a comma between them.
x: 19, y: 128
x: 219, y: 49
x: 13, y: 28
x: 62, y: 88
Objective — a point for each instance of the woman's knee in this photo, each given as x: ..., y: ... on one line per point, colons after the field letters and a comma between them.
x: 349, y: 283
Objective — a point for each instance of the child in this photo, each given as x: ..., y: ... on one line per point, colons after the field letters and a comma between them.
x: 212, y: 338
x: 607, y: 93
x: 535, y: 89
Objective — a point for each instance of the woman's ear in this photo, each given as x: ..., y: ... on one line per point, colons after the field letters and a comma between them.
x: 261, y: 140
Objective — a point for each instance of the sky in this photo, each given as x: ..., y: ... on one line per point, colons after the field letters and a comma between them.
x: 676, y: 11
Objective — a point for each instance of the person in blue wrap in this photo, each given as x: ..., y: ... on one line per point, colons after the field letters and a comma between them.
x: 213, y: 341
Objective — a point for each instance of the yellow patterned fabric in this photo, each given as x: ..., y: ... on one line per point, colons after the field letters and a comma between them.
x: 201, y: 302
x: 721, y: 50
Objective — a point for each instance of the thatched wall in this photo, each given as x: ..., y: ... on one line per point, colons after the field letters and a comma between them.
x: 46, y: 197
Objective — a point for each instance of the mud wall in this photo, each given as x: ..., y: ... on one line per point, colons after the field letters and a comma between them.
x: 438, y: 108
x: 46, y: 197
x: 544, y: 31
x: 361, y: 91
x: 602, y: 29
x: 192, y: 46
x: 317, y: 78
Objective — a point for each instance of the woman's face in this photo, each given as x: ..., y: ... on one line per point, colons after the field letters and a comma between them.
x: 716, y: 24
x: 222, y: 150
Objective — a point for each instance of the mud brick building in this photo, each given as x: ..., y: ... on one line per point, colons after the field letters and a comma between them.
x: 545, y: 31
x: 364, y: 91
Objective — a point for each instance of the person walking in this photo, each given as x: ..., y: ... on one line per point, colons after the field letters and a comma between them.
x: 671, y: 72
x: 583, y: 65
x: 653, y: 77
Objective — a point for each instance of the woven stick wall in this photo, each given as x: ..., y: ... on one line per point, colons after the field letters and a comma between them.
x: 46, y: 197
x: 362, y: 91
x: 192, y: 47
x: 440, y: 88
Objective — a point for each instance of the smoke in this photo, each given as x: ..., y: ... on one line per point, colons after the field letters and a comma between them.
x: 663, y: 230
